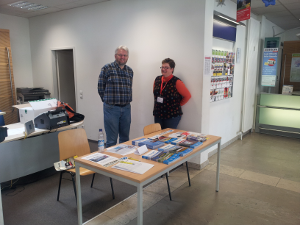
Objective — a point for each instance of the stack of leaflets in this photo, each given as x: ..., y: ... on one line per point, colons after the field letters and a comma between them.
x: 137, y: 142
x: 173, y: 158
x: 102, y: 159
x: 190, y: 144
x: 168, y: 148
x: 177, y: 141
x: 183, y: 151
x: 65, y: 164
x: 150, y: 155
x: 133, y: 166
x: 176, y: 135
x: 152, y: 144
x: 165, y: 139
x: 187, y: 143
x: 196, y: 137
x: 122, y: 149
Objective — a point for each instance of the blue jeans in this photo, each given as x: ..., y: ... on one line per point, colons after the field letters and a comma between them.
x: 168, y: 123
x: 116, y: 122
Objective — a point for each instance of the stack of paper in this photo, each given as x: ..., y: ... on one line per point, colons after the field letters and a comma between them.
x: 102, y: 159
x: 122, y: 149
x: 133, y: 166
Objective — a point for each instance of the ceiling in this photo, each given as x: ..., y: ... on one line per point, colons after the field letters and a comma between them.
x: 53, y: 6
x: 285, y: 13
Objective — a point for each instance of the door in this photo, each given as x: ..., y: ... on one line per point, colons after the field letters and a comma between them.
x: 65, y: 77
x: 251, y: 75
x: 7, y: 84
x: 290, y: 74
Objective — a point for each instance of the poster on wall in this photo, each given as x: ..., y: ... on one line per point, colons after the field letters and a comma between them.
x: 269, y: 67
x: 243, y: 10
x: 295, y: 68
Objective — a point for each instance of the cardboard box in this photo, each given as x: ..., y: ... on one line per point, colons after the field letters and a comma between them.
x: 31, y: 110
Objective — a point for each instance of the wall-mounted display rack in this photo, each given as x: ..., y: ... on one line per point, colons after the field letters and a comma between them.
x: 222, y: 73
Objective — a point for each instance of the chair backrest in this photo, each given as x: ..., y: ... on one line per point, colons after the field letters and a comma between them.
x: 73, y: 142
x: 2, y: 123
x: 152, y: 128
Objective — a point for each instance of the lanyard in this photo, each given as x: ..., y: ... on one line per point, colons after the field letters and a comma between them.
x: 161, y: 86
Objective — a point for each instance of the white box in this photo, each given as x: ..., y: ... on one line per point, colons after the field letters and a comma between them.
x: 30, y: 111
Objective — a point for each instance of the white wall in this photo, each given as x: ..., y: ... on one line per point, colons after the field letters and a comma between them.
x: 20, y: 48
x: 225, y: 116
x: 153, y: 30
x: 291, y: 35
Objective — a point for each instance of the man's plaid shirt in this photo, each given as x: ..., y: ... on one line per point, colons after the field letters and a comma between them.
x: 115, y: 84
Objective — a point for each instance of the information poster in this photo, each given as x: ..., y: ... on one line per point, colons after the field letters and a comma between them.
x: 243, y: 10
x: 295, y: 68
x: 269, y: 68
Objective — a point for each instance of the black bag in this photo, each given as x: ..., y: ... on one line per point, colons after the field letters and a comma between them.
x: 77, y: 117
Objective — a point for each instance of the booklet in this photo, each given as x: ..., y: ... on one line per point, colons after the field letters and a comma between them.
x: 133, y: 166
x: 122, y: 149
x: 102, y: 159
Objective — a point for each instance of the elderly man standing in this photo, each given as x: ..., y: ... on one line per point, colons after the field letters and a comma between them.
x: 115, y: 90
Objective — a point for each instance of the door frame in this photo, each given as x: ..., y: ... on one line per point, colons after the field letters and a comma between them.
x: 54, y: 72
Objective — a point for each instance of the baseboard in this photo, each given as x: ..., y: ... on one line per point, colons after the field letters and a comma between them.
x: 210, y: 154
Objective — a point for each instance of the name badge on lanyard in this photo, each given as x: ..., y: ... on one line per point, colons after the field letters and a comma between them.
x: 160, y: 99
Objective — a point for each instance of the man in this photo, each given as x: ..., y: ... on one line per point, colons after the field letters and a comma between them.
x: 115, y: 90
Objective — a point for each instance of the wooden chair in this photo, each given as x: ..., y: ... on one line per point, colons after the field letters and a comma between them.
x: 151, y: 128
x: 71, y: 143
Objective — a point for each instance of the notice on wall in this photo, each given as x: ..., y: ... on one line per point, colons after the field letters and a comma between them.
x: 207, y: 65
x: 243, y: 10
x: 269, y: 68
x: 295, y: 68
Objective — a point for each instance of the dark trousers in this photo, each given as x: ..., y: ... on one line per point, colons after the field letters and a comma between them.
x: 168, y: 123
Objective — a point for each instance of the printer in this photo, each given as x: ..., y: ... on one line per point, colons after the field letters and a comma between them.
x: 52, y: 119
x: 3, y: 133
x: 31, y: 94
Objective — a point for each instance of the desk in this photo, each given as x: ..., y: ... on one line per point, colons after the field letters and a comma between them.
x: 20, y: 157
x: 140, y: 180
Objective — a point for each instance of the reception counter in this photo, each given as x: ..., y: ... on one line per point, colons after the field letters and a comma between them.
x: 278, y: 115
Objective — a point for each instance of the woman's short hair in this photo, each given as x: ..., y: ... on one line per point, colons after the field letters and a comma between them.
x: 170, y: 62
x: 122, y: 47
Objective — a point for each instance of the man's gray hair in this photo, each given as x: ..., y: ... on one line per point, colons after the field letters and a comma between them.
x: 122, y: 47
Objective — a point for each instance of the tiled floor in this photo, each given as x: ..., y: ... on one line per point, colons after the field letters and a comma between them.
x: 259, y: 184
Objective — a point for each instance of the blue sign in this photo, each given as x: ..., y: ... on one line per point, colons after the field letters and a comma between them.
x: 269, y: 68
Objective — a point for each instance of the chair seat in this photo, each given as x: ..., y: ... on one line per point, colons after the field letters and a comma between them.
x: 83, y: 171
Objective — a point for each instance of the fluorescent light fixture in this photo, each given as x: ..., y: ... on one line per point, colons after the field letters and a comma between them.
x: 28, y: 5
x: 228, y: 19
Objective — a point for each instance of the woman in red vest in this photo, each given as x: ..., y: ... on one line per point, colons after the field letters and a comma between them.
x: 170, y: 94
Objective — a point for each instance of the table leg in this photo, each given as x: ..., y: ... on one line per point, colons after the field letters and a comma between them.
x: 1, y: 209
x: 78, y: 187
x: 140, y: 205
x: 218, y: 166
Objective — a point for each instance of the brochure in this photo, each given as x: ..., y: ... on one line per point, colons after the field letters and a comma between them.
x: 102, y: 159
x: 122, y: 149
x: 133, y: 166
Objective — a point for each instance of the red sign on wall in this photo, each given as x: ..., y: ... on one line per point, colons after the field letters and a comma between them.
x: 243, y: 10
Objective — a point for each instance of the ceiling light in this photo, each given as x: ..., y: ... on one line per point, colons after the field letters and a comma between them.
x: 27, y: 5
x: 228, y: 19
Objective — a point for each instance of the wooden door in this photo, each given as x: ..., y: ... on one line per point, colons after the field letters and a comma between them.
x: 289, y: 48
x: 7, y: 84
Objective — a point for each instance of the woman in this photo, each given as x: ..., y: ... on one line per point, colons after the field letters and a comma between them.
x: 170, y: 94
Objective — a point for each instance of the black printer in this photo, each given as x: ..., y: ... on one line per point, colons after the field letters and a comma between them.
x: 3, y: 133
x: 52, y: 119
x: 31, y: 94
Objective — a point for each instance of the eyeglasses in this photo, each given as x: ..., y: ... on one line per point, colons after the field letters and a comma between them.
x: 165, y: 68
x: 120, y: 55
